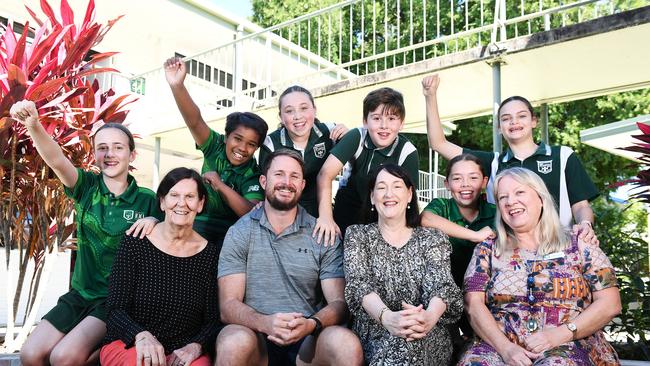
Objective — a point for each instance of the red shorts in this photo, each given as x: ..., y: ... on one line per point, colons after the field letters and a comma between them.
x: 114, y: 354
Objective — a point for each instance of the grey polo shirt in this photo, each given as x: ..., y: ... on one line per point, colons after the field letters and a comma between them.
x: 283, y: 272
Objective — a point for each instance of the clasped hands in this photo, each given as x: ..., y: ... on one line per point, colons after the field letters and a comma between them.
x: 287, y: 328
x: 410, y: 323
x: 535, y: 345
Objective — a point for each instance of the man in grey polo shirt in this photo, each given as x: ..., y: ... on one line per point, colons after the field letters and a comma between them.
x: 279, y: 290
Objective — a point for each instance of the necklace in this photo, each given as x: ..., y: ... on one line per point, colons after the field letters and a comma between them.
x: 531, y: 324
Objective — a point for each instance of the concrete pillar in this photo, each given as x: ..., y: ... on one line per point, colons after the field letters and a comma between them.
x: 496, y: 100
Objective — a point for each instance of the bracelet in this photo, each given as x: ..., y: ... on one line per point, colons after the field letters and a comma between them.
x: 587, y: 222
x: 381, y: 314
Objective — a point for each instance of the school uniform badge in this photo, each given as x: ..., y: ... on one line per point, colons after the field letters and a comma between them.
x: 319, y: 150
x: 545, y: 167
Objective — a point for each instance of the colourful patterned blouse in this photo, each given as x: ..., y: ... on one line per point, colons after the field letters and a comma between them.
x: 561, y: 283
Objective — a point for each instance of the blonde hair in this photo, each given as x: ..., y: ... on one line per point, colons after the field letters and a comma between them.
x: 549, y: 233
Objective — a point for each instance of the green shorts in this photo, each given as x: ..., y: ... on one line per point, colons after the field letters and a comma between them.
x: 72, y: 308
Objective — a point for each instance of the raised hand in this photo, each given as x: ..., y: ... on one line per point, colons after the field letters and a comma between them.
x: 430, y: 84
x: 25, y: 112
x: 175, y: 71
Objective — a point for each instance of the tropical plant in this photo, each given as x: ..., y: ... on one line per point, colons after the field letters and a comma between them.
x: 53, y: 68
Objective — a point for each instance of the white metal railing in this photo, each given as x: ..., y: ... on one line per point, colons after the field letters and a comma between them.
x: 359, y: 37
x: 429, y: 189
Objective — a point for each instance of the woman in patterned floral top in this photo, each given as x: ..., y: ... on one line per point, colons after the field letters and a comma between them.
x: 534, y: 295
x: 399, y: 285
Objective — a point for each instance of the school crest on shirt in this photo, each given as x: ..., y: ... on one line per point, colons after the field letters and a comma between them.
x: 129, y: 215
x: 319, y: 150
x: 545, y: 167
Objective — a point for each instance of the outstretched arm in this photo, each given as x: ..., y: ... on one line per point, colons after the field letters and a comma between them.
x: 175, y: 72
x: 429, y: 219
x: 437, y: 140
x: 26, y: 113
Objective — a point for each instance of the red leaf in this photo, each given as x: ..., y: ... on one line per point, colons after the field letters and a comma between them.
x: 99, y: 57
x: 67, y: 15
x: 96, y: 71
x: 15, y: 94
x: 46, y: 46
x: 81, y: 47
x: 63, y: 98
x: 33, y: 15
x: 19, y: 51
x: 643, y: 127
x: 90, y: 13
x: 16, y: 76
x: 47, y: 9
x: 46, y: 89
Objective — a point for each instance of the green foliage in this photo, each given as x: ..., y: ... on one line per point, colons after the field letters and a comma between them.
x: 620, y: 229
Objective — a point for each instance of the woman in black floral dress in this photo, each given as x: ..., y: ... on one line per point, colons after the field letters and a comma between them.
x: 399, y: 285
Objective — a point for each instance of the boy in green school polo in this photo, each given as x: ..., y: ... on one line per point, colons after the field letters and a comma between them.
x: 363, y: 149
x: 229, y: 169
x: 218, y: 216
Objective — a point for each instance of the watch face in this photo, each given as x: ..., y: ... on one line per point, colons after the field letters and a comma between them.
x: 572, y: 327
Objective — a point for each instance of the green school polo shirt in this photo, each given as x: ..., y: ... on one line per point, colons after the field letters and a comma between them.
x: 102, y: 218
x: 217, y: 216
x: 462, y: 250
x: 559, y: 168
x: 358, y: 151
x: 316, y: 151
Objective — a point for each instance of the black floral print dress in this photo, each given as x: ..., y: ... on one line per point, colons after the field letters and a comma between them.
x: 414, y: 273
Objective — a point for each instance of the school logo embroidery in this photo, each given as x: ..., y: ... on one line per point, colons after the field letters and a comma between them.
x: 545, y: 167
x: 129, y: 215
x: 319, y: 150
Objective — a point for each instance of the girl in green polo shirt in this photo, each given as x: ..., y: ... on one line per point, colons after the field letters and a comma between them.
x: 558, y: 166
x: 106, y: 205
x: 229, y: 168
x: 303, y: 132
x: 363, y: 149
x: 467, y: 218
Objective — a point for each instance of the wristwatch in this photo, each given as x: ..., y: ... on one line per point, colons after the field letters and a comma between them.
x: 573, y: 328
x: 319, y: 326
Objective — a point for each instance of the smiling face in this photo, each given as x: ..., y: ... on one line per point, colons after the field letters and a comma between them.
x: 297, y: 113
x: 383, y: 125
x: 241, y: 144
x: 283, y: 183
x: 112, y: 153
x: 465, y: 182
x: 519, y: 204
x: 182, y: 203
x: 390, y: 196
x: 516, y: 122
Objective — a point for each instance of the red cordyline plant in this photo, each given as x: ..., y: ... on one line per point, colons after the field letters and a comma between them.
x: 642, y: 179
x: 53, y: 70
